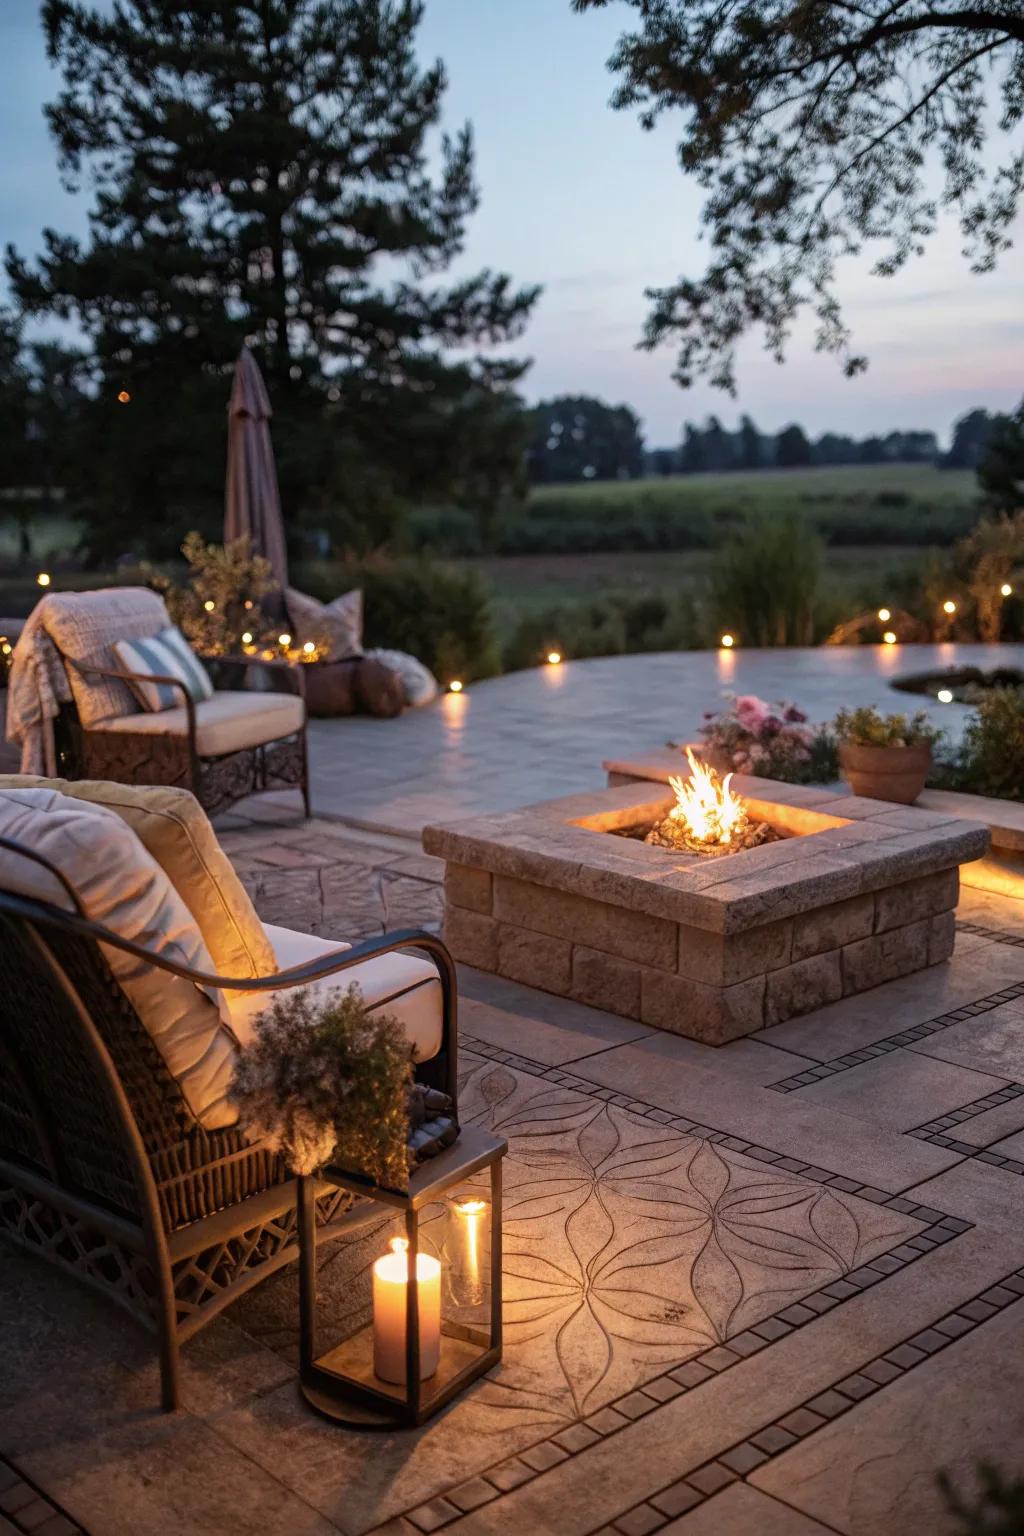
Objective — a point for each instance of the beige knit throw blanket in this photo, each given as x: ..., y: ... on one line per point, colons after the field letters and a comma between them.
x: 38, y: 687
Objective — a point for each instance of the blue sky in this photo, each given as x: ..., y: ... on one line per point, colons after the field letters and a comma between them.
x: 578, y: 198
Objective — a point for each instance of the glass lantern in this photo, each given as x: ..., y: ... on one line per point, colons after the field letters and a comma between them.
x: 420, y: 1315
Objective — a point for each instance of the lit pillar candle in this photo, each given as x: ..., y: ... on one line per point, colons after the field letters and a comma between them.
x: 390, y: 1289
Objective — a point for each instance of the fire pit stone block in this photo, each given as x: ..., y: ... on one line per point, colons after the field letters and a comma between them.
x: 713, y: 949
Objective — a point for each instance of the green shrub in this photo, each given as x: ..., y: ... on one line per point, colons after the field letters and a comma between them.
x: 611, y: 626
x: 764, y: 581
x: 991, y: 758
x: 434, y: 611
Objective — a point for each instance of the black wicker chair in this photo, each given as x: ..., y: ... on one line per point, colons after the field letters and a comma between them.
x: 103, y: 1169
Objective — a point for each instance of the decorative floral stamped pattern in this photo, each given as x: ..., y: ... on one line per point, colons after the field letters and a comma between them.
x: 630, y: 1247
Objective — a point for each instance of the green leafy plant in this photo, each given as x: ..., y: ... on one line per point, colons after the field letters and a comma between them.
x: 436, y: 612
x: 997, y: 1510
x: 869, y: 728
x: 210, y: 609
x: 325, y: 1079
x: 764, y: 581
x: 603, y: 626
x: 991, y: 756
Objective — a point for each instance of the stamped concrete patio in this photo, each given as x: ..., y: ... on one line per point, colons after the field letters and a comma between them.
x: 769, y: 1289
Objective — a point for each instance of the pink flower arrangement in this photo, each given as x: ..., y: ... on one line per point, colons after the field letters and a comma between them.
x: 771, y: 740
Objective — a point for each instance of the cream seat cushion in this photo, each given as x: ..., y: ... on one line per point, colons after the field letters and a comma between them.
x: 228, y: 722
x: 404, y: 985
x: 123, y: 887
x: 173, y: 827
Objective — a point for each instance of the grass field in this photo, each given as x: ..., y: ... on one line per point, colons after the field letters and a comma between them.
x: 861, y: 504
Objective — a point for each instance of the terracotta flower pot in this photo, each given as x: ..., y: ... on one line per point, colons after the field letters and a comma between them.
x: 886, y: 773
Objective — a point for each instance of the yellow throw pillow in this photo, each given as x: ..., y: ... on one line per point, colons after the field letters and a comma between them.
x: 175, y: 831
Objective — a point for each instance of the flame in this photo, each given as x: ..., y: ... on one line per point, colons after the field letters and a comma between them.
x: 399, y: 1245
x: 706, y: 805
x: 471, y: 1207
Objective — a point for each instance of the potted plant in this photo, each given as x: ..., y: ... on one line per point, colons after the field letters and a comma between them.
x: 885, y: 757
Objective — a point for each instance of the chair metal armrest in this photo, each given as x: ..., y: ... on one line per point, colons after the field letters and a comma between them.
x: 145, y: 677
x: 330, y: 964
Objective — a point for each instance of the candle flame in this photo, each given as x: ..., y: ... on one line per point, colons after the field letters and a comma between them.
x: 399, y: 1245
x: 471, y: 1207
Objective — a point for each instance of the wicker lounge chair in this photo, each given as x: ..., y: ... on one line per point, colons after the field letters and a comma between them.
x: 103, y: 1169
x: 240, y: 742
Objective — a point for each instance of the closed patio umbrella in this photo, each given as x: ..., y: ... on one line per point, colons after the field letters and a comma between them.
x: 252, y: 503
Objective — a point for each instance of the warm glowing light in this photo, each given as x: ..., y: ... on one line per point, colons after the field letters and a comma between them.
x: 728, y: 641
x: 944, y: 696
x: 43, y: 579
x: 472, y: 1210
x: 889, y: 637
x: 1006, y: 590
x: 309, y: 647
x: 6, y: 647
x: 554, y: 657
x: 284, y: 641
x: 455, y: 686
x: 123, y: 397
x: 949, y: 606
x: 247, y: 638
x: 209, y: 605
x: 248, y: 604
x: 884, y: 615
x: 390, y: 1309
x: 706, y: 805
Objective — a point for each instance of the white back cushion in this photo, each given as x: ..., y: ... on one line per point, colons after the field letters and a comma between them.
x: 121, y: 886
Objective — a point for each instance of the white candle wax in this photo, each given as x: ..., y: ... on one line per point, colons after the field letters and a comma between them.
x: 390, y: 1292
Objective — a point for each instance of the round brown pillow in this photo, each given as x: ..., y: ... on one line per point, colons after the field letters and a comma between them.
x: 330, y: 687
x: 379, y: 690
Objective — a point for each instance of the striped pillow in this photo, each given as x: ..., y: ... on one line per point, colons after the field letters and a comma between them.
x: 167, y: 654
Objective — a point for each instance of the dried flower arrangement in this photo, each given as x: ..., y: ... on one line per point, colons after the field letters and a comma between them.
x: 324, y: 1080
x: 221, y: 599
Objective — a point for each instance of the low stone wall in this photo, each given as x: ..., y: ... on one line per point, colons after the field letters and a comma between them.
x: 712, y: 987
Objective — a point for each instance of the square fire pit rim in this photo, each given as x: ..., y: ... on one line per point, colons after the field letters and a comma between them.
x: 728, y: 895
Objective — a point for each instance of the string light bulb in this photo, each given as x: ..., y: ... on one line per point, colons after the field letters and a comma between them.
x: 1006, y: 590
x: 209, y: 605
x: 43, y: 579
x: 284, y: 641
x: 247, y: 638
x: 123, y: 397
x: 727, y: 641
x: 884, y: 615
x: 889, y: 637
x: 309, y: 647
x: 949, y: 606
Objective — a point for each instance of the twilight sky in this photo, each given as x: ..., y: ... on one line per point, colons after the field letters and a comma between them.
x: 578, y: 198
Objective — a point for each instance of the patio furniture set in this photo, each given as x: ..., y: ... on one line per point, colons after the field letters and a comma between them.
x: 134, y: 966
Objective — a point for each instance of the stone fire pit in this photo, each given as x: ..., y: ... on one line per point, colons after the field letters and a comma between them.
x: 855, y: 892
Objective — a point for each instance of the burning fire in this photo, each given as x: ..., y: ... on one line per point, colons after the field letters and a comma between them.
x: 707, y: 807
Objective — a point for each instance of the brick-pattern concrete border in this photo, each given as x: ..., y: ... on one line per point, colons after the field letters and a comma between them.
x: 937, y: 1132
x: 674, y: 1499
x: 999, y: 935
x: 910, y: 1036
x: 528, y: 1464
x: 25, y: 1508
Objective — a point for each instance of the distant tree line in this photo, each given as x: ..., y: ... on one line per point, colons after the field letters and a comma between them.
x: 579, y: 438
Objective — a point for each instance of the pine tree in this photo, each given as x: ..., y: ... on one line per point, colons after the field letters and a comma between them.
x: 261, y: 171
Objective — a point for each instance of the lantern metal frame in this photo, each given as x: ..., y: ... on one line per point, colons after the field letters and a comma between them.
x: 362, y: 1401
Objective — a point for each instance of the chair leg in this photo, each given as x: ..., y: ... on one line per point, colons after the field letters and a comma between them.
x: 305, y: 773
x: 170, y: 1384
